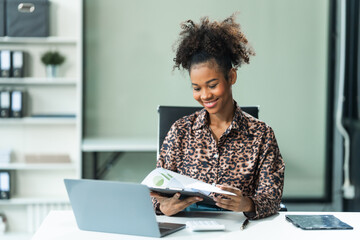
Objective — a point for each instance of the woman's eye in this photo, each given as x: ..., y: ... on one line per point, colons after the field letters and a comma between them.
x: 212, y: 86
x: 196, y: 89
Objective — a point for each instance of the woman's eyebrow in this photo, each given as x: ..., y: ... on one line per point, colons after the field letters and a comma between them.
x: 207, y: 82
x: 211, y: 80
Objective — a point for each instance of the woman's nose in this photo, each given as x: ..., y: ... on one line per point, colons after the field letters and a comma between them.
x: 206, y: 94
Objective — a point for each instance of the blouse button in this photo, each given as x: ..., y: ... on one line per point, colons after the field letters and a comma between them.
x: 216, y: 155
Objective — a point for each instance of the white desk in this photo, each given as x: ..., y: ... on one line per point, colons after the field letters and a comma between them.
x: 117, y: 146
x: 61, y: 225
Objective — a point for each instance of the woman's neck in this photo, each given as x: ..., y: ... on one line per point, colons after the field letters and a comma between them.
x: 224, y: 117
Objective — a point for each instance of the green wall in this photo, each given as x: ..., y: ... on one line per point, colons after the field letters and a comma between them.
x: 129, y: 73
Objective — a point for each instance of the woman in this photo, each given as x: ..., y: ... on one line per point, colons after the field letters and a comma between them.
x: 221, y: 144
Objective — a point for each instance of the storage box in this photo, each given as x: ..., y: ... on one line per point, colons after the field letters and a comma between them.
x: 47, y: 158
x: 27, y: 18
x: 2, y: 18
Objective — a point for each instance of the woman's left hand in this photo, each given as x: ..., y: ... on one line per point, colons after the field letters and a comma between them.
x: 236, y: 203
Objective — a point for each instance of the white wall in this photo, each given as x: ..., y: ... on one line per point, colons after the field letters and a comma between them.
x: 129, y: 73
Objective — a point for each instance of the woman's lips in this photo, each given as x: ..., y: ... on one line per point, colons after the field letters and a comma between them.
x: 210, y: 104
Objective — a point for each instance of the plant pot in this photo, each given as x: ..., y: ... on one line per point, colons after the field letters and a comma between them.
x: 51, y: 71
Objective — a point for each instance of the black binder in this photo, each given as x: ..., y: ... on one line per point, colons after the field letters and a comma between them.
x: 5, y: 63
x: 2, y: 18
x: 5, y: 103
x: 17, y: 64
x: 17, y: 104
x: 4, y: 184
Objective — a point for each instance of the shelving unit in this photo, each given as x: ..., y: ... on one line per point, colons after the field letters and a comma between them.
x: 38, y: 188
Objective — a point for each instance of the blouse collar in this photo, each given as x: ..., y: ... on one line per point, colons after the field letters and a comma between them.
x: 239, y: 122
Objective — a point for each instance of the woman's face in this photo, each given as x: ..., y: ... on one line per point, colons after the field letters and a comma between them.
x: 210, y: 88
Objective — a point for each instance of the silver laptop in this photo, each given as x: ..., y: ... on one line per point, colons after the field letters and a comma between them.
x: 115, y: 207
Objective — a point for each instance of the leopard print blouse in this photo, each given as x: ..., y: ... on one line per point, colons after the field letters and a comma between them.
x: 246, y: 156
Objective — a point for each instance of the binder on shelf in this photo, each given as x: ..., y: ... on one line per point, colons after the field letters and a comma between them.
x: 17, y: 64
x: 2, y: 18
x: 5, y: 103
x: 5, y: 63
x: 17, y: 104
x: 4, y: 184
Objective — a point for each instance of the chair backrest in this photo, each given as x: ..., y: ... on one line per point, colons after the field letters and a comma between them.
x: 169, y: 114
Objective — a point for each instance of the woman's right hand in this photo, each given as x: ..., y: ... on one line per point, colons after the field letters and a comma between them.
x: 172, y: 205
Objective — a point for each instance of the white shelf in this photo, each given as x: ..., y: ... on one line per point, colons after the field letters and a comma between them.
x: 119, y: 145
x: 16, y: 236
x: 27, y: 201
x: 38, y: 81
x: 38, y: 121
x: 38, y: 40
x: 37, y: 166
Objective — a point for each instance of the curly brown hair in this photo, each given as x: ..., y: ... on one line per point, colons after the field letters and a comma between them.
x: 222, y: 41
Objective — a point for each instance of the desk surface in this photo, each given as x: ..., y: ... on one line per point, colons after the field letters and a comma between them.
x: 61, y: 225
x: 119, y: 145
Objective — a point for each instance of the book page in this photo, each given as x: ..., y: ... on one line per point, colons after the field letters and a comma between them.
x: 163, y: 178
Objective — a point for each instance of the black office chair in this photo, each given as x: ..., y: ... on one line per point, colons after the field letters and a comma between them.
x: 169, y: 114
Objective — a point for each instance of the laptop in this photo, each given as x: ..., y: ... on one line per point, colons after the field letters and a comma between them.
x: 115, y: 207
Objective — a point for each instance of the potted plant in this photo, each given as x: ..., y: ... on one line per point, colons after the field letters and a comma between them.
x: 52, y: 59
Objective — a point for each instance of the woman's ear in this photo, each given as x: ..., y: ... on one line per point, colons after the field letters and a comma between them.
x: 232, y: 76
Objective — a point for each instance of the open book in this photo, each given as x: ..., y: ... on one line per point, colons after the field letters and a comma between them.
x: 167, y: 183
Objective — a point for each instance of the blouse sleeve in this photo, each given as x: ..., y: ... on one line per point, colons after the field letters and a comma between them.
x: 270, y: 180
x: 170, y: 154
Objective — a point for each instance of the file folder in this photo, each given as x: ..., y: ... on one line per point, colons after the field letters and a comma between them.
x: 5, y: 101
x: 17, y: 64
x: 17, y: 104
x: 5, y: 63
x: 2, y: 18
x: 4, y: 184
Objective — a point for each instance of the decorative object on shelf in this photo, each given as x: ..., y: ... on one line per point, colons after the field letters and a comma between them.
x: 5, y: 155
x: 47, y: 158
x: 27, y: 19
x: 52, y: 60
x: 2, y: 223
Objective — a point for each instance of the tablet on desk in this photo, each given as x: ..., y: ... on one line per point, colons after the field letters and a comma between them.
x: 317, y: 222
